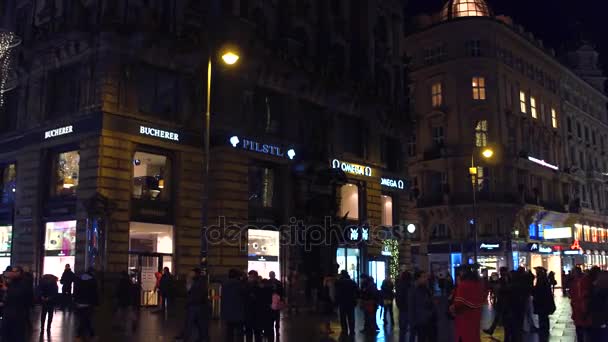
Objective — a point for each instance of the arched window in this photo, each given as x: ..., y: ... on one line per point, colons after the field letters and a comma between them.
x: 481, y: 133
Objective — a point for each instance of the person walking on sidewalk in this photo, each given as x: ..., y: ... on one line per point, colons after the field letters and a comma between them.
x: 403, y: 287
x: 277, y: 289
x: 544, y: 305
x: 598, y: 307
x: 197, y: 308
x: 387, y: 292
x: 466, y: 306
x: 346, y: 299
x: 48, y: 292
x: 67, y: 280
x: 422, y: 315
x: 124, y: 302
x: 233, y: 303
x: 580, y: 293
x: 166, y: 287
x: 85, y: 300
x: 15, y: 311
x: 501, y: 291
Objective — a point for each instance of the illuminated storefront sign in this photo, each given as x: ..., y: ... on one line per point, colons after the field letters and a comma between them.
x: 489, y: 246
x: 392, y: 183
x: 263, y: 251
x: 543, y: 163
x: 58, y: 131
x: 538, y: 248
x: 355, y: 169
x: 158, y: 133
x: 558, y: 233
x: 576, y: 245
x: 573, y: 252
x: 355, y: 233
x: 252, y: 145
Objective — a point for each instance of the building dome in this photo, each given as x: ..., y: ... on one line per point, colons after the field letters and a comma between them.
x: 464, y: 8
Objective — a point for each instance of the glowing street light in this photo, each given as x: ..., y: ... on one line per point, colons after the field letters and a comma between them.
x: 230, y: 57
x: 487, y: 153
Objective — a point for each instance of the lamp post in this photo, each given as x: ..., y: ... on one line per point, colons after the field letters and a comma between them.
x: 487, y: 153
x: 229, y: 57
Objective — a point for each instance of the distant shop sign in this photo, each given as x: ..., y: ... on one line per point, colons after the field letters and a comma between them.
x: 58, y: 132
x: 158, y: 133
x: 255, y: 146
x: 392, y: 183
x: 354, y: 169
x: 539, y: 248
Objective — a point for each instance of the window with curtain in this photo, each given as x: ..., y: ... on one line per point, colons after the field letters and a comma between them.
x: 553, y: 118
x: 479, y: 88
x: 481, y: 133
x: 533, y: 111
x: 522, y: 102
x: 437, y: 95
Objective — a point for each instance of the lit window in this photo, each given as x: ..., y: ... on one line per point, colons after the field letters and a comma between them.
x: 533, y: 107
x: 387, y: 210
x: 481, y: 179
x: 481, y: 133
x: 151, y: 238
x: 522, y: 102
x: 150, y: 176
x: 587, y: 233
x: 594, y: 234
x: 553, y: 118
x: 436, y: 94
x: 261, y: 187
x: 349, y: 201
x: 438, y: 136
x: 479, y: 88
x: 8, y: 183
x: 66, y: 173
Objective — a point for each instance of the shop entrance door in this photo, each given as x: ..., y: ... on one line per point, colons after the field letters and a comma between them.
x: 377, y: 270
x: 143, y: 269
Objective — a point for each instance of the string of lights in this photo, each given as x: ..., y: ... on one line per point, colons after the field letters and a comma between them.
x: 6, y: 41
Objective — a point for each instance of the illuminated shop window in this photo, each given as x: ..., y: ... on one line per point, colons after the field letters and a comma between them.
x: 553, y: 118
x: 151, y: 179
x: 533, y: 107
x: 522, y: 102
x: 481, y: 133
x: 8, y: 183
x: 59, y: 247
x: 437, y: 95
x: 479, y: 88
x: 387, y: 210
x: 67, y: 169
x: 349, y: 201
x: 587, y: 233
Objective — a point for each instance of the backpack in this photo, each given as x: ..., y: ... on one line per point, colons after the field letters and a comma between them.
x: 277, y: 303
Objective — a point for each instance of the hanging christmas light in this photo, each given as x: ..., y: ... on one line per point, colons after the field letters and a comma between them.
x: 7, y: 41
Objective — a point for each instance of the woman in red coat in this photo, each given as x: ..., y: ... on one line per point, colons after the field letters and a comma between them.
x: 466, y: 306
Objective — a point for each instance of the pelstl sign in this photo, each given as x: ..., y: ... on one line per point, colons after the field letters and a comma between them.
x: 256, y: 146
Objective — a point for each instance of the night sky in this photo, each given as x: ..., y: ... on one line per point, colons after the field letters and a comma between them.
x: 559, y: 23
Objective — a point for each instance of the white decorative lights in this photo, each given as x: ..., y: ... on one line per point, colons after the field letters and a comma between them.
x: 543, y: 163
x: 6, y: 43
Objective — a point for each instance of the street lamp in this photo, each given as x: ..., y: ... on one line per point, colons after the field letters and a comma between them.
x: 487, y: 153
x: 229, y: 57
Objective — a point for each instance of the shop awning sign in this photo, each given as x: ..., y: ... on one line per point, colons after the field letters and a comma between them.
x: 558, y: 233
x: 355, y: 169
x: 256, y: 146
x: 489, y: 246
x: 392, y: 183
x: 58, y: 132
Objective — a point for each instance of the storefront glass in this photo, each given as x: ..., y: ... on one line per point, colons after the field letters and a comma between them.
x: 263, y: 252
x: 377, y: 270
x: 6, y: 234
x: 349, y: 201
x: 150, y: 238
x: 59, y: 247
x: 151, y: 176
x: 348, y: 259
x: 67, y: 166
x: 488, y: 263
x: 552, y: 263
x: 8, y: 183
x: 387, y: 210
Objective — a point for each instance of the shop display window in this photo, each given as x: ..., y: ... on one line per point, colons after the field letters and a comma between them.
x: 59, y: 246
x: 8, y: 183
x: 387, y: 210
x: 349, y: 204
x: 150, y: 238
x: 263, y: 252
x: 6, y: 240
x: 587, y: 233
x: 348, y: 259
x: 151, y: 176
x: 67, y: 169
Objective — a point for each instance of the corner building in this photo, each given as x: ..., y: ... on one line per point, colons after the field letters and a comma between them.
x: 481, y: 82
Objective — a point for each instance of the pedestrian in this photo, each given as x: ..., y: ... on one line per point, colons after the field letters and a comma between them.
x: 253, y: 303
x: 518, y: 296
x: 401, y: 298
x: 598, y: 306
x: 47, y: 292
x: 28, y: 278
x: 123, y: 293
x: 233, y: 302
x: 580, y: 294
x: 15, y: 312
x: 85, y: 300
x: 387, y: 292
x: 197, y: 308
x: 346, y: 299
x: 369, y: 304
x: 552, y: 281
x: 277, y: 302
x: 166, y: 286
x: 421, y: 310
x: 67, y: 279
x: 264, y: 309
x: 500, y: 289
x: 466, y: 305
x: 544, y: 305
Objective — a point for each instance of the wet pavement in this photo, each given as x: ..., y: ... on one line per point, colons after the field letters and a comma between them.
x: 305, y: 326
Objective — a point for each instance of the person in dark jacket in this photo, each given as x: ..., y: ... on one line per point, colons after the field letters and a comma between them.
x: 124, y: 301
x: 233, y: 302
x: 544, y: 305
x: 501, y: 289
x: 387, y: 292
x: 67, y: 279
x: 197, y: 307
x: 346, y: 299
x: 165, y: 287
x: 15, y: 311
x: 401, y: 297
x: 28, y: 278
x: 277, y: 287
x: 422, y: 315
x: 48, y: 292
x: 85, y: 300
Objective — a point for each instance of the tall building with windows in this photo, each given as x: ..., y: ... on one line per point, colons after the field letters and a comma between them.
x: 479, y: 82
x: 102, y: 164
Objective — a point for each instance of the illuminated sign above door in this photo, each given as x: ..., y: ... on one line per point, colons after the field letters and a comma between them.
x: 255, y: 146
x: 158, y: 133
x: 58, y: 132
x: 392, y: 183
x: 354, y: 169
x: 558, y: 233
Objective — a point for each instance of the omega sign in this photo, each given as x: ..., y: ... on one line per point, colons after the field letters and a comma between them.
x: 352, y: 168
x: 158, y: 133
x: 58, y: 131
x: 392, y: 183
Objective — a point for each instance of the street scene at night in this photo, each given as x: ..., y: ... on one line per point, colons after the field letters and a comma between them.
x: 303, y: 170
